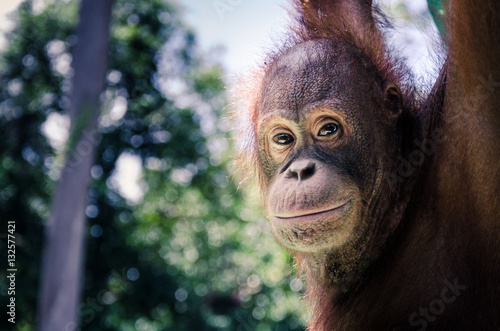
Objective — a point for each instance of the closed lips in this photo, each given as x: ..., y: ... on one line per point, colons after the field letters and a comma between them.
x: 307, y: 216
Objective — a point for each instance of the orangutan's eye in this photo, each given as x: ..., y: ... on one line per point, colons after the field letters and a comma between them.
x: 283, y: 139
x: 328, y: 130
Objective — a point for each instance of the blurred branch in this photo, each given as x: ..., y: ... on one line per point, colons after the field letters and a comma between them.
x: 64, y: 242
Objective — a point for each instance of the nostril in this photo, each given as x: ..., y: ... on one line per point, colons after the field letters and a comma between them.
x: 302, y: 169
x: 307, y: 172
x: 292, y: 174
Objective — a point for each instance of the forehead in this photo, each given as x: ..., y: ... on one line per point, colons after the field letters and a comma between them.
x: 315, y: 72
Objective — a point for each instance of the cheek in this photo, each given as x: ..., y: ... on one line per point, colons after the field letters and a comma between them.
x: 354, y: 155
x: 269, y: 164
x: 352, y: 162
x: 268, y: 169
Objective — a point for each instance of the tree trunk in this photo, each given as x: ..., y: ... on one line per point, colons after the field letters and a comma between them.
x: 63, y: 256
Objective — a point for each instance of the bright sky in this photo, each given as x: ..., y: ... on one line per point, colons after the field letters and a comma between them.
x: 7, y: 6
x: 244, y: 28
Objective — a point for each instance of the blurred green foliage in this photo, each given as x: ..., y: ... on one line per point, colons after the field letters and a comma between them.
x: 188, y: 251
x: 438, y: 12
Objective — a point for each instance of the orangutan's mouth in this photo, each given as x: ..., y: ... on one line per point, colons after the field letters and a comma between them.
x: 308, y: 216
